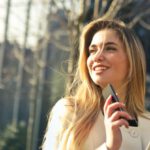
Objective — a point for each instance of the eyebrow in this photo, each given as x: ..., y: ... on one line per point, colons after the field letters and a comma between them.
x: 107, y: 43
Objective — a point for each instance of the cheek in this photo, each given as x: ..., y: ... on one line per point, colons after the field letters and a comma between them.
x: 127, y: 69
x: 126, y: 64
x: 89, y: 63
x: 124, y: 67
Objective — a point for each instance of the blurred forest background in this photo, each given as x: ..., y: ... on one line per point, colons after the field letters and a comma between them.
x: 38, y: 53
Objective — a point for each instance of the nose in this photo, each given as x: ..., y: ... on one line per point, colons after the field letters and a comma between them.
x: 99, y: 55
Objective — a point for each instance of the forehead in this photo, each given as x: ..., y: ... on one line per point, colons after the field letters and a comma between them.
x: 106, y: 35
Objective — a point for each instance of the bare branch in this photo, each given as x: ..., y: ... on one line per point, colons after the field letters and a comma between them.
x: 96, y: 9
x: 114, y: 8
x: 137, y: 18
x: 60, y: 46
x: 144, y: 24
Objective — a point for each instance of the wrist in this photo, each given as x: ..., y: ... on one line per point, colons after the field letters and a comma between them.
x: 108, y: 148
x: 111, y: 147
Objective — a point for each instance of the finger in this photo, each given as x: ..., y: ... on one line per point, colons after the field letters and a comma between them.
x: 119, y: 123
x: 113, y: 107
x: 120, y: 114
x: 107, y: 103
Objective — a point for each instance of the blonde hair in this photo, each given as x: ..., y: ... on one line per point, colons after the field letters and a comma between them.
x: 87, y: 96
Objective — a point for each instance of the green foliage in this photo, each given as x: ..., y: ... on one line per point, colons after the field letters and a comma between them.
x: 13, y: 138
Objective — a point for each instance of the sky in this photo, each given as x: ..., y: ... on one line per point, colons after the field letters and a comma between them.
x: 17, y: 21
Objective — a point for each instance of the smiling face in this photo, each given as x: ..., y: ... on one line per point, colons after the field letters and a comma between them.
x: 107, y: 61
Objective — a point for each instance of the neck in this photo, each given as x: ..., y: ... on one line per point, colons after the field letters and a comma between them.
x: 121, y: 93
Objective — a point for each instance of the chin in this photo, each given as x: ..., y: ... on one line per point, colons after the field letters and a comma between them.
x: 101, y: 84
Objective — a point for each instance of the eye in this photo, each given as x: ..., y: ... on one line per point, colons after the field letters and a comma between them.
x: 110, y: 48
x: 92, y: 51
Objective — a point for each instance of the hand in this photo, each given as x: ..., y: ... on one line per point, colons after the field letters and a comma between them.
x: 113, y: 120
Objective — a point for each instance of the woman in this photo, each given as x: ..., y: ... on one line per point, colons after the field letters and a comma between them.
x: 109, y: 54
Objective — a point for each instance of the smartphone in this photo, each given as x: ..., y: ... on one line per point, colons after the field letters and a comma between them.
x: 109, y: 90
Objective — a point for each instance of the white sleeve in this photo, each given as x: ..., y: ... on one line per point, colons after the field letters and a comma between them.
x: 102, y: 147
x: 56, y: 125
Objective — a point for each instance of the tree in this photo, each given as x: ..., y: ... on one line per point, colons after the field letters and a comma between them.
x: 13, y: 138
x: 134, y: 12
x: 5, y: 41
x: 20, y: 68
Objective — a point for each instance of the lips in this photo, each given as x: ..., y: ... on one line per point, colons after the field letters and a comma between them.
x: 100, y: 68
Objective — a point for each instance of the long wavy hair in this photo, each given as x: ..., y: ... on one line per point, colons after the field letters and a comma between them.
x: 87, y: 96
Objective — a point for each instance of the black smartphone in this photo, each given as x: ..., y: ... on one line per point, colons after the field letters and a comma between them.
x: 109, y: 90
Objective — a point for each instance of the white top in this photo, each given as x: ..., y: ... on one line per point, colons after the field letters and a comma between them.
x: 133, y: 138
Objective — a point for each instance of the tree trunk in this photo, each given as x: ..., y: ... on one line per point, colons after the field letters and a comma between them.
x: 20, y: 69
x: 32, y: 102
x: 74, y: 28
x: 40, y: 88
x: 2, y: 51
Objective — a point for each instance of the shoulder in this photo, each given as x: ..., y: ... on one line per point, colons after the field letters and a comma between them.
x: 59, y: 119
x: 63, y: 109
x: 144, y: 127
x: 144, y: 120
x: 63, y: 106
x: 145, y: 115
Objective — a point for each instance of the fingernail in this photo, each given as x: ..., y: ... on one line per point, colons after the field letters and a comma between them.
x: 123, y: 103
x: 130, y: 117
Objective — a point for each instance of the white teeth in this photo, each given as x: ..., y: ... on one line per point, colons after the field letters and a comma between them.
x: 100, y: 68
